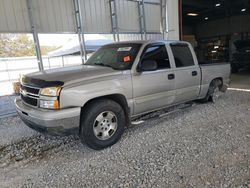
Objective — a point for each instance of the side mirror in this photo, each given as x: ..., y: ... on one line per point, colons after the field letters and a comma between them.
x: 147, y: 65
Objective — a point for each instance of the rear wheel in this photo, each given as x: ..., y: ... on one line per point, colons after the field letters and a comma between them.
x: 102, y: 124
x: 214, y: 92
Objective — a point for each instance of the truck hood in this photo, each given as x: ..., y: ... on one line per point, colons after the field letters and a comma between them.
x: 67, y: 75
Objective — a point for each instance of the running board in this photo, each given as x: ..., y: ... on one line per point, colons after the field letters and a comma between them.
x: 161, y: 113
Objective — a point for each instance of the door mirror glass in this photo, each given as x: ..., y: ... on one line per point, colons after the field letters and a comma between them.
x: 148, y: 65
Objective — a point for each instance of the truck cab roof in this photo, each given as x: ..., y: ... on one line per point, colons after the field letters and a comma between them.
x: 144, y: 42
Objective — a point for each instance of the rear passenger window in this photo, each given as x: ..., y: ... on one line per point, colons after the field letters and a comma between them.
x: 182, y: 56
x: 159, y: 54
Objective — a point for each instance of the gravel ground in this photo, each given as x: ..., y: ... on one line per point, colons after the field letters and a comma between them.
x: 206, y: 145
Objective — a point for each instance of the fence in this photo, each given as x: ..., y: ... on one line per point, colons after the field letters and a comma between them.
x: 12, y: 68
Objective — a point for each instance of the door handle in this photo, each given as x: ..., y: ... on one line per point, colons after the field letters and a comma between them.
x: 171, y: 76
x: 194, y: 73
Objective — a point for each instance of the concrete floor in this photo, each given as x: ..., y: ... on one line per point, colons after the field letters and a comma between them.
x: 205, y: 145
x: 7, y: 107
x: 241, y: 80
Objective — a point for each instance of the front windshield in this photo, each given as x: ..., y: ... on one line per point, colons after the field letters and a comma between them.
x: 116, y: 56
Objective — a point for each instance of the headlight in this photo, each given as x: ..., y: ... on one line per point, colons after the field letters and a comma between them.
x: 49, y: 98
x: 51, y: 91
x: 49, y: 104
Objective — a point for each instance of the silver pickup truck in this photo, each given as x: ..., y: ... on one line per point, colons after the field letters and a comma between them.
x: 118, y: 82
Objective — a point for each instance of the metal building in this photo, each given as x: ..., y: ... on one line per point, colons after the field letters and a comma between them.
x: 143, y: 17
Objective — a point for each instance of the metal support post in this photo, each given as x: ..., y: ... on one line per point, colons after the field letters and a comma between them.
x: 167, y: 22
x: 163, y: 17
x: 35, y: 35
x: 180, y: 20
x: 142, y: 20
x: 114, y: 20
x: 80, y: 32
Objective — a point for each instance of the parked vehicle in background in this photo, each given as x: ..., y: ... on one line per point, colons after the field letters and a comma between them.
x: 119, y: 81
x: 241, y: 58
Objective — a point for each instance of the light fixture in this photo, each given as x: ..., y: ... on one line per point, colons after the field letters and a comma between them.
x: 216, y: 47
x: 243, y: 10
x: 192, y: 14
x: 214, y: 51
x: 206, y: 18
x: 217, y: 4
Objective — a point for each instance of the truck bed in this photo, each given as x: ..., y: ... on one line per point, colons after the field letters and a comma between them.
x: 211, y: 71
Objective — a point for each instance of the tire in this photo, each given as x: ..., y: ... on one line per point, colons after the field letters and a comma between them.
x: 214, y: 87
x: 102, y: 124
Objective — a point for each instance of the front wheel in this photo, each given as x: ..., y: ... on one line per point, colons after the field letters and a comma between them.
x: 102, y: 124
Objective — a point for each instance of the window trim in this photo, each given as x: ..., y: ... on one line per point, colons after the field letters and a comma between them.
x: 153, y: 45
x: 179, y: 44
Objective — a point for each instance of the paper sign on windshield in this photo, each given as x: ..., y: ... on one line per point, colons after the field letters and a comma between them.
x: 124, y: 49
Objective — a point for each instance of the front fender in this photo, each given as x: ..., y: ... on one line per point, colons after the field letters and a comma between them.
x: 78, y: 96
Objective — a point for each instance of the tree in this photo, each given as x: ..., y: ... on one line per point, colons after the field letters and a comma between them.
x: 19, y: 45
x: 13, y: 45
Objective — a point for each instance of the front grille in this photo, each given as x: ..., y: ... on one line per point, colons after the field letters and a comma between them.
x: 30, y: 95
x: 29, y: 100
x: 30, y: 89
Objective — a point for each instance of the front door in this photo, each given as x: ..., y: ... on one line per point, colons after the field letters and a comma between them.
x: 154, y: 89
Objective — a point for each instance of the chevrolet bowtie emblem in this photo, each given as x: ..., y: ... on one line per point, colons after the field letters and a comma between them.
x: 24, y: 93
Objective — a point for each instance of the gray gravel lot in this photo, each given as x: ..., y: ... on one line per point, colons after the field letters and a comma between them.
x: 206, y: 145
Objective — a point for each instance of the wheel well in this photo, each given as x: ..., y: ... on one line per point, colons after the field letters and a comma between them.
x: 120, y: 99
x: 219, y: 78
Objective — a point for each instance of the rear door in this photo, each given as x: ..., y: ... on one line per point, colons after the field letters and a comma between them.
x: 154, y: 89
x: 187, y: 72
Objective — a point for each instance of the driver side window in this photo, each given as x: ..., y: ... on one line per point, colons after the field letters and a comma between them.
x: 159, y: 54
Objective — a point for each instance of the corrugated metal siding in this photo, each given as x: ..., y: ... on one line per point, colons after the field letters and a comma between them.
x: 127, y: 16
x: 53, y: 16
x: 58, y: 16
x: 96, y: 16
x: 153, y: 17
x: 14, y: 16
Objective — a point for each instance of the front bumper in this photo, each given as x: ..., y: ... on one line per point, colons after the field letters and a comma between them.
x: 54, y: 122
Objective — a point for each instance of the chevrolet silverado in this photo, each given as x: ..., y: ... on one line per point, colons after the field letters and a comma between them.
x: 118, y: 82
